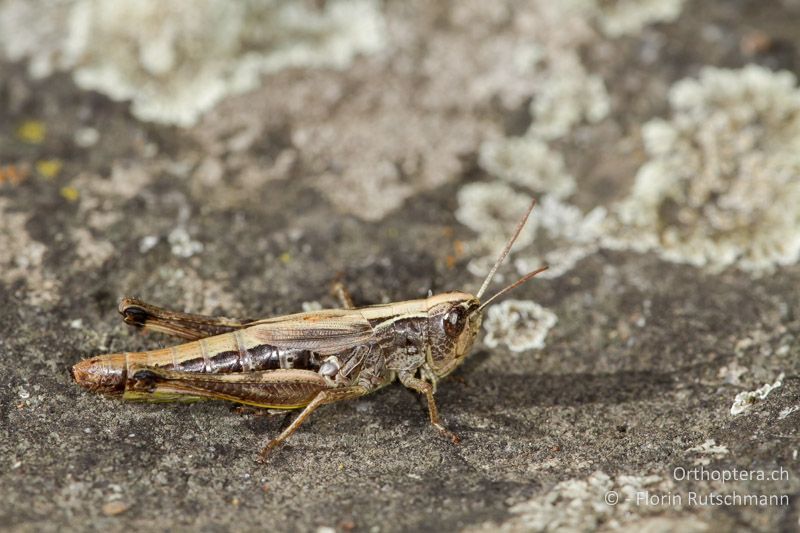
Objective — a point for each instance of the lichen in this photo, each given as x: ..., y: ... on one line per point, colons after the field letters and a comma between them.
x: 384, y: 164
x: 628, y: 17
x: 583, y: 504
x: 566, y: 236
x: 708, y: 450
x: 182, y: 244
x: 175, y: 63
x: 528, y: 162
x: 565, y: 95
x: 492, y: 210
x: 22, y: 258
x: 721, y: 187
x: 557, y: 234
x: 745, y: 400
x: 519, y: 324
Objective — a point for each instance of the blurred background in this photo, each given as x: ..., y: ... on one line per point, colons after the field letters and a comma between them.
x: 236, y: 157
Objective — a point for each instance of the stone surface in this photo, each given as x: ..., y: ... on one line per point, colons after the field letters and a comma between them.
x: 355, y: 171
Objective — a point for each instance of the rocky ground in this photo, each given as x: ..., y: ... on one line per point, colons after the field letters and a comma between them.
x: 239, y: 162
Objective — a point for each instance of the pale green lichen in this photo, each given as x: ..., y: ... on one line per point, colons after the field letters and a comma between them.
x: 722, y: 186
x: 519, y: 324
x: 174, y: 60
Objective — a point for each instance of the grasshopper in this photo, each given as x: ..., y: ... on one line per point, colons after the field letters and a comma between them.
x: 300, y: 361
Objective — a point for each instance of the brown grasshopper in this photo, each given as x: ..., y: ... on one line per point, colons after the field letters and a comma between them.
x: 303, y: 360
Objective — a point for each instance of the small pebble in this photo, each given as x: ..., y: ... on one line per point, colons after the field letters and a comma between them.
x: 114, y: 508
x: 86, y: 137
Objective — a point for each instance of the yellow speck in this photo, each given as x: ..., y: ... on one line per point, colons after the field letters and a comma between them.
x: 341, y: 467
x: 32, y: 131
x: 49, y: 168
x: 285, y: 257
x: 70, y: 194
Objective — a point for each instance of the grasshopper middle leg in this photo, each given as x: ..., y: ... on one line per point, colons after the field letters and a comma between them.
x: 423, y: 387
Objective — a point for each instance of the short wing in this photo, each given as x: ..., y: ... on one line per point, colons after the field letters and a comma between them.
x: 325, y: 332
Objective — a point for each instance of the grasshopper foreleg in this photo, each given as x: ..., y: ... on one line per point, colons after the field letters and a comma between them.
x: 184, y: 325
x: 325, y: 396
x: 423, y: 387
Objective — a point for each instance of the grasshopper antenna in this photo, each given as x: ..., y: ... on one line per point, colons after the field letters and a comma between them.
x: 503, y: 254
x: 513, y: 286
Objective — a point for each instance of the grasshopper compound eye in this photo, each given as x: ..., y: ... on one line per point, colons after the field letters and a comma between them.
x: 454, y: 321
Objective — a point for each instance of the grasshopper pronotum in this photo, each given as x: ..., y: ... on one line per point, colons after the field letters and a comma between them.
x: 302, y: 360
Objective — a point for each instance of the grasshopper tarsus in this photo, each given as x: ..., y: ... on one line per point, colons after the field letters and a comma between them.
x: 263, y: 455
x: 446, y: 433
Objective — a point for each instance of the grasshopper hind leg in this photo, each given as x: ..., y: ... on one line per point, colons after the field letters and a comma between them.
x: 184, y: 325
x: 324, y: 397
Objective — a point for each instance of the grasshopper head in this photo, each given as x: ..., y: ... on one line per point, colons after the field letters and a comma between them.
x: 454, y: 320
x: 455, y: 317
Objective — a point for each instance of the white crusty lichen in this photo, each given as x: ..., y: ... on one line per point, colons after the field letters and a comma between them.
x: 557, y: 234
x: 519, y: 324
x: 722, y: 185
x: 492, y: 210
x: 628, y: 17
x: 566, y: 236
x: 181, y: 243
x: 707, y: 451
x: 174, y: 60
x: 565, y: 95
x: 745, y: 400
x: 528, y: 162
x: 584, y: 505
